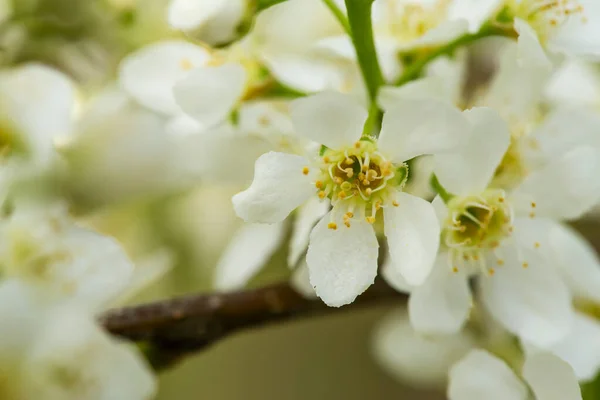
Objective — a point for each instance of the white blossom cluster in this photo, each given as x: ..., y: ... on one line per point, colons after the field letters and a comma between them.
x: 363, y: 142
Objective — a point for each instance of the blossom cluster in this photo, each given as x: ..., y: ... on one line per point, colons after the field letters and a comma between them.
x: 442, y: 144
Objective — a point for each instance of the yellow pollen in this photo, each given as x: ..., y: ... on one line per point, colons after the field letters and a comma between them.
x: 326, y: 159
x: 338, y: 180
x: 501, y: 199
x: 349, y: 215
x: 321, y: 194
x: 371, y: 220
x: 378, y: 205
x: 342, y: 195
x: 492, y: 271
x: 455, y: 269
x: 305, y: 170
x: 332, y: 225
x: 318, y: 184
x: 500, y: 261
x: 532, y: 215
x: 368, y: 191
x: 349, y: 161
x: 533, y: 204
x: 186, y: 64
x: 525, y: 264
x: 349, y: 172
x: 537, y: 245
x: 395, y: 203
x: 347, y: 223
x: 357, y: 145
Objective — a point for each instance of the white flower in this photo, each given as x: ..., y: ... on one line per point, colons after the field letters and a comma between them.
x: 416, y: 359
x: 36, y: 106
x: 575, y: 83
x: 480, y: 375
x: 359, y: 177
x: 305, y: 47
x: 44, y: 248
x: 213, y: 21
x: 172, y: 77
x: 502, y: 238
x: 56, y: 352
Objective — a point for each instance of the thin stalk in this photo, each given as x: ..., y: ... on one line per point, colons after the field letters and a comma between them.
x: 339, y: 15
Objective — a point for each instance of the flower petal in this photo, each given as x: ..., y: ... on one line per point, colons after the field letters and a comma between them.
x: 579, y: 35
x: 308, y: 215
x: 329, y: 118
x: 413, y: 234
x: 190, y: 14
x: 149, y: 74
x: 342, y: 263
x: 394, y: 278
x: 414, y: 358
x: 300, y: 281
x: 413, y: 127
x: 470, y: 168
x: 247, y: 252
x: 36, y: 102
x: 475, y: 12
x: 576, y: 260
x: 279, y: 187
x: 530, y: 51
x: 564, y: 189
x: 480, y: 375
x: 551, y: 378
x: 442, y: 303
x: 209, y: 94
x: 533, y: 302
x: 581, y: 347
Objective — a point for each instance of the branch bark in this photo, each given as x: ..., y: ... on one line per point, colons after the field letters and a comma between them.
x: 171, y: 329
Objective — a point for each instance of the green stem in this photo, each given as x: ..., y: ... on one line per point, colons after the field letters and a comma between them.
x: 414, y: 70
x: 359, y: 18
x: 441, y: 191
x: 339, y: 15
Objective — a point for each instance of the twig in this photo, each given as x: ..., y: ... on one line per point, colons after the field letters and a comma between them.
x: 168, y: 330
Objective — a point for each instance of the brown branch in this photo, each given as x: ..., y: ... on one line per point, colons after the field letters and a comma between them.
x: 171, y: 329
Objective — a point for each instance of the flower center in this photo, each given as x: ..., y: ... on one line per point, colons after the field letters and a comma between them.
x: 545, y: 15
x: 411, y: 21
x: 359, y: 181
x: 476, y: 224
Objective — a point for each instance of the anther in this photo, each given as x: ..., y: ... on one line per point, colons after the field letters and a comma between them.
x: 321, y: 194
x: 347, y: 223
x: 305, y: 170
x: 455, y: 269
x: 491, y: 271
x: 318, y: 184
x: 500, y: 261
x: 349, y: 172
x: 368, y: 191
x: 349, y: 161
x: 537, y: 245
x: 525, y: 264
x: 532, y: 215
x: 395, y: 203
x: 533, y: 204
x: 371, y: 220
x: 357, y: 145
x: 342, y: 195
x: 326, y: 159
x: 332, y: 225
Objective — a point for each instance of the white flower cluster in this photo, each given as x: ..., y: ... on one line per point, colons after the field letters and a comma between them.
x: 376, y: 137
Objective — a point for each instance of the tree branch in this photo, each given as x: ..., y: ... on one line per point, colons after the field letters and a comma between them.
x: 171, y: 329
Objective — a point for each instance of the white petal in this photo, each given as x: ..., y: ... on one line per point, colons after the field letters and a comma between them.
x: 530, y: 51
x: 516, y: 90
x: 342, y: 263
x: 475, y: 12
x: 300, y: 281
x: 580, y: 35
x: 96, y: 364
x: 577, y: 261
x: 532, y: 303
x: 329, y: 118
x: 308, y: 215
x: 413, y: 234
x: 439, y: 35
x: 442, y: 303
x: 36, y: 106
x: 413, y: 127
x: 414, y: 358
x: 190, y: 14
x: 470, y: 168
x: 581, y: 347
x: 551, y: 378
x: 428, y: 87
x: 480, y: 375
x: 563, y: 189
x: 222, y: 28
x: 279, y: 186
x: 98, y: 271
x: 555, y: 135
x: 149, y: 74
x: 248, y: 251
x: 394, y: 278
x: 575, y: 82
x: 209, y: 94
x: 441, y: 211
